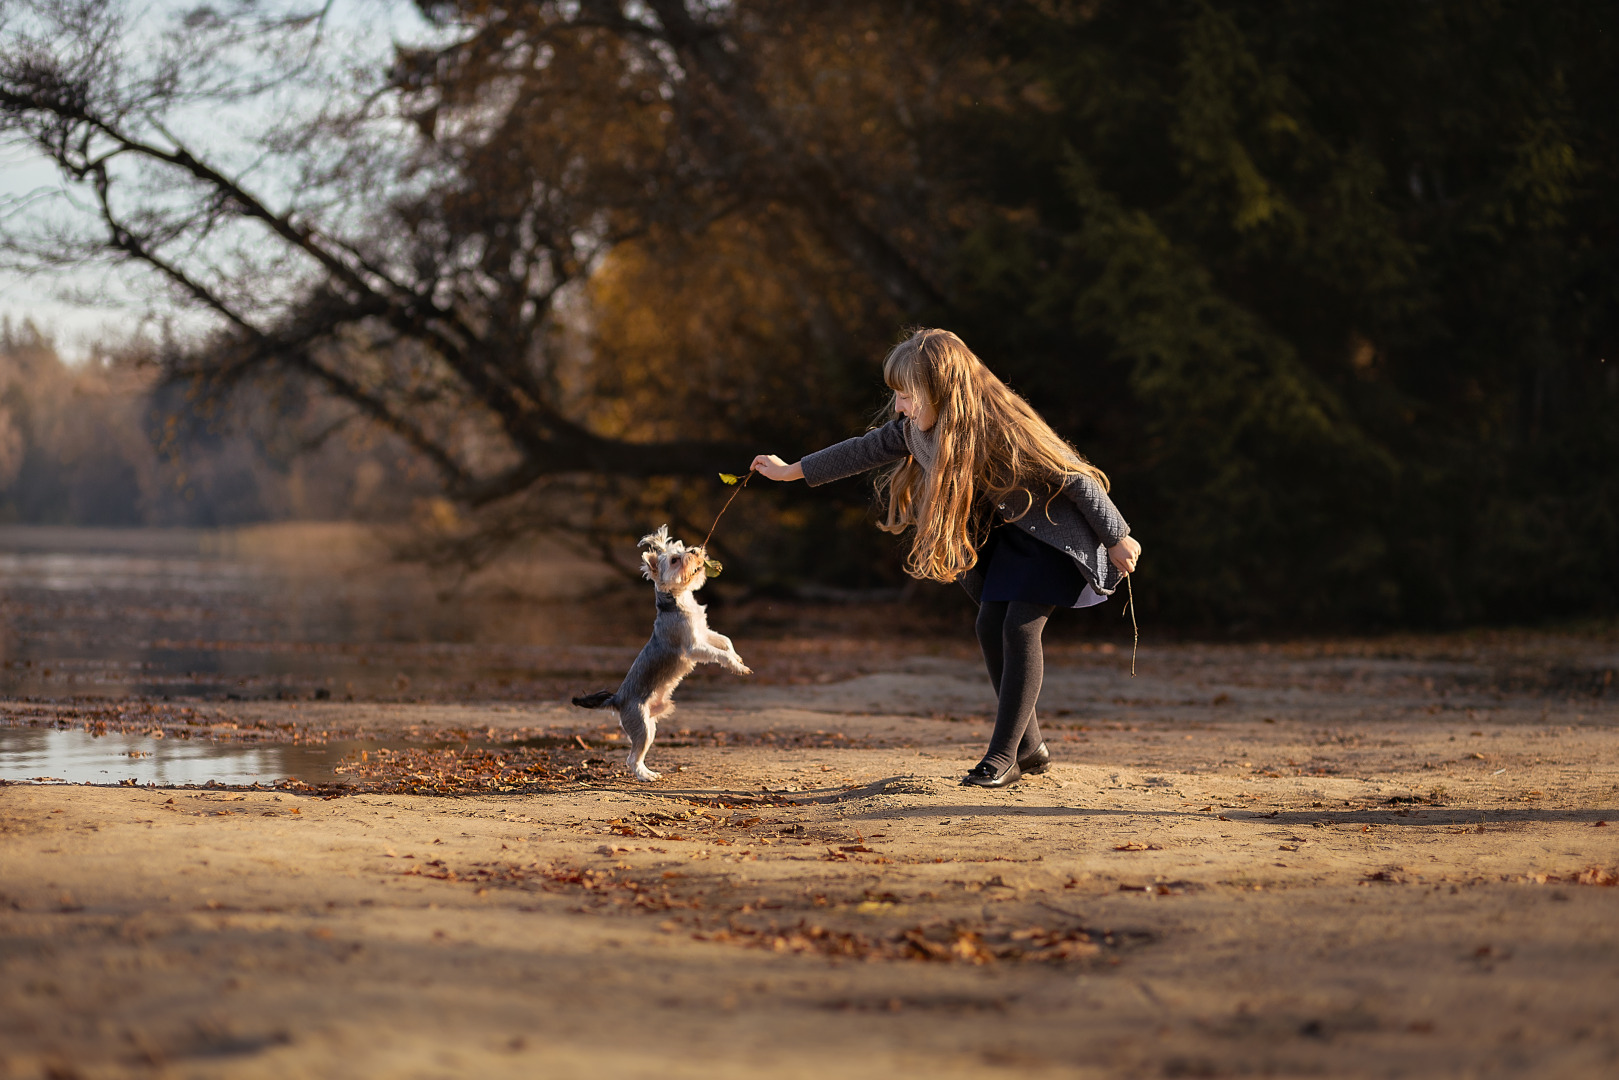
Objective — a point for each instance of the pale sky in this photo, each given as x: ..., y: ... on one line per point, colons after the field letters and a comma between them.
x: 109, y: 303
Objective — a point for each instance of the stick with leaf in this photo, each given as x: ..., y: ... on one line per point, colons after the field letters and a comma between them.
x: 713, y: 566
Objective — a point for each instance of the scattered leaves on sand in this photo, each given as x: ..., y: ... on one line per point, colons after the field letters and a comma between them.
x: 1591, y: 875
x: 1162, y: 888
x: 880, y: 926
x: 949, y: 942
x: 700, y: 823
x: 458, y: 770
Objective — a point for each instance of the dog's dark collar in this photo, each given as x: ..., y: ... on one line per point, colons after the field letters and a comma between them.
x: 667, y: 602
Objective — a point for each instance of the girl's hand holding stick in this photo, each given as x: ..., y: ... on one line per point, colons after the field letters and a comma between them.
x: 1124, y: 555
x: 772, y: 467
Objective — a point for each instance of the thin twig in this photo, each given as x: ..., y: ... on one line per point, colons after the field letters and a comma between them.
x: 1130, y: 606
x: 727, y: 506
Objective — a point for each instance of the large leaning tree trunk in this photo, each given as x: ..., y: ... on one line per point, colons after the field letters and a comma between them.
x: 417, y: 241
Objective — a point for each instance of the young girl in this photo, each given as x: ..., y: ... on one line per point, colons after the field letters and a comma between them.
x: 968, y: 453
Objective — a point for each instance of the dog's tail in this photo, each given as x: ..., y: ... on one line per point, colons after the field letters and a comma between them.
x: 600, y: 699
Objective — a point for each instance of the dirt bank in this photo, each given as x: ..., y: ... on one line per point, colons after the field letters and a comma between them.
x: 1391, y: 858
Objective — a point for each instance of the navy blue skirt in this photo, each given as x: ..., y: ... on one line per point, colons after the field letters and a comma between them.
x: 1016, y: 566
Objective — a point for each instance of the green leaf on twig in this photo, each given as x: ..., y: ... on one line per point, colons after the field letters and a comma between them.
x: 712, y: 567
x: 731, y: 479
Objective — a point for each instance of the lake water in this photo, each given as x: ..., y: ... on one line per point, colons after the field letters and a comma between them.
x: 295, y: 611
x: 301, y: 612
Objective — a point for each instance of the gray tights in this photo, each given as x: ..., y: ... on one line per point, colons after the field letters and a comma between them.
x: 1009, y: 634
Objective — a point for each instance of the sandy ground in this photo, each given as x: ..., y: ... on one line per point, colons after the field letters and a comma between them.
x: 1373, y: 859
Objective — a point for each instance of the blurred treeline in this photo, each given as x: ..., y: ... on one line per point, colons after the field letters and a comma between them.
x: 106, y: 442
x: 1331, y: 290
x: 1328, y: 288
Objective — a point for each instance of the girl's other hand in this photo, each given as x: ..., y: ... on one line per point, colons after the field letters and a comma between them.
x: 773, y: 468
x: 1124, y: 555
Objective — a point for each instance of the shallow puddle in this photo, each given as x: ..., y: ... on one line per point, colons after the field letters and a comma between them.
x: 52, y: 755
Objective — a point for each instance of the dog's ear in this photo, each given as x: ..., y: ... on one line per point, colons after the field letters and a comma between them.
x: 649, y: 566
x: 657, y: 541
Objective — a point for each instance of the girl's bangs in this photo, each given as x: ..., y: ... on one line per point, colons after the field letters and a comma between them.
x: 899, y: 369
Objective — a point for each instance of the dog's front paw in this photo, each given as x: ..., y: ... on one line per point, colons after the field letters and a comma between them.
x: 647, y: 775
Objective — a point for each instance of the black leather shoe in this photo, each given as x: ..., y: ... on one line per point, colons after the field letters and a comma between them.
x: 1037, y: 762
x: 983, y: 775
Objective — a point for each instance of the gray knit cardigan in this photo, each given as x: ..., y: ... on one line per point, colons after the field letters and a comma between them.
x: 1082, y: 521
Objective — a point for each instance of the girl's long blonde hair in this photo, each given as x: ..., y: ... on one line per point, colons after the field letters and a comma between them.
x: 991, y: 447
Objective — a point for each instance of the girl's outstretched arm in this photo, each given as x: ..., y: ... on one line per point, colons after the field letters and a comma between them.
x: 879, y: 446
x: 772, y: 467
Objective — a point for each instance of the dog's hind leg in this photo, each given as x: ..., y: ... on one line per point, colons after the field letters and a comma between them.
x: 640, y: 728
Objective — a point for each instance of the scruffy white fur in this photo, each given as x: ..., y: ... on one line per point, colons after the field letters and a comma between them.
x: 680, y: 641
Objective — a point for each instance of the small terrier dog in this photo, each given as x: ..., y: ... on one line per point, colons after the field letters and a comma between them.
x: 680, y: 641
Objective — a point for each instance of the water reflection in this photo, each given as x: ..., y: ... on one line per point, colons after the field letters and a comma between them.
x: 301, y: 611
x: 77, y: 757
